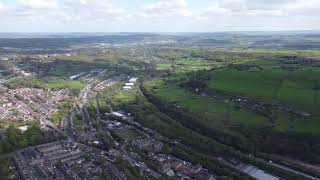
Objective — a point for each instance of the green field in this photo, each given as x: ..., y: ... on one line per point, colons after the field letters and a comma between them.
x: 91, y: 58
x: 186, y: 65
x: 62, y: 83
x: 273, y: 76
x: 46, y: 83
x: 299, y: 89
x: 214, y: 113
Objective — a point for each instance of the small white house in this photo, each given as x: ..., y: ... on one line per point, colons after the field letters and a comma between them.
x: 130, y: 84
x: 117, y: 124
x: 23, y: 128
x: 127, y: 87
x: 133, y: 80
x: 117, y: 114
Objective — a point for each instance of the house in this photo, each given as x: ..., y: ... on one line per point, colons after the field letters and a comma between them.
x: 133, y: 80
x: 114, y: 125
x: 127, y: 87
x: 23, y: 128
x: 130, y: 84
x: 118, y: 114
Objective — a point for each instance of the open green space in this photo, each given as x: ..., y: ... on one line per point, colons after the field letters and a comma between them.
x: 46, y: 83
x: 216, y: 113
x: 278, y: 132
x: 92, y: 58
x: 208, y: 96
x: 213, y: 113
x: 186, y: 65
x: 58, y: 83
x: 299, y: 89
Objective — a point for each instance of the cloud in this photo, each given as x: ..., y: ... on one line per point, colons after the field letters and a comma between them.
x: 309, y: 8
x: 167, y: 8
x: 216, y: 10
x: 234, y: 15
x: 262, y: 9
x: 93, y: 10
x: 2, y: 6
x: 163, y: 15
x: 40, y: 4
x: 64, y: 11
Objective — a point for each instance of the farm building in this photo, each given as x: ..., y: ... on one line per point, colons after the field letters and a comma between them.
x: 133, y: 80
x: 127, y: 87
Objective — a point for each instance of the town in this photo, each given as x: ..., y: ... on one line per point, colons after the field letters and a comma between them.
x: 157, y: 109
x: 82, y: 152
x: 26, y: 104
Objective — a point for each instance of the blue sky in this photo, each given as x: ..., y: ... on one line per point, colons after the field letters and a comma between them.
x: 158, y: 15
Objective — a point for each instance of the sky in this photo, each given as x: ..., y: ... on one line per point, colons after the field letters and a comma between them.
x: 158, y: 15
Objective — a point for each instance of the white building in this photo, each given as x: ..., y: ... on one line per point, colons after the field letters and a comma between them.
x: 127, y: 87
x: 133, y: 80
x: 23, y: 128
x: 258, y: 173
x: 129, y: 84
x: 117, y: 114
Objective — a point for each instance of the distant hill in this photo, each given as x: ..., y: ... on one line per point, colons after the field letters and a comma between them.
x: 291, y: 40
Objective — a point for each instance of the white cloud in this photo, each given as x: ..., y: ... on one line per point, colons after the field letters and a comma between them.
x: 93, y: 10
x: 2, y: 7
x: 305, y: 8
x: 268, y: 14
x: 216, y: 10
x: 168, y: 8
x: 83, y: 2
x: 41, y: 4
x: 163, y: 15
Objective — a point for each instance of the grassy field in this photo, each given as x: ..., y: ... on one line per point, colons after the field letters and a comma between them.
x: 299, y: 89
x: 57, y: 83
x: 46, y: 83
x: 215, y: 113
x: 285, y: 122
x: 186, y: 65
x: 272, y: 83
x: 91, y: 58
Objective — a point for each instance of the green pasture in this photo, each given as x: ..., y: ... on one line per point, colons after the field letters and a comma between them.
x: 215, y: 113
x: 298, y: 89
x: 187, y: 65
x: 46, y: 83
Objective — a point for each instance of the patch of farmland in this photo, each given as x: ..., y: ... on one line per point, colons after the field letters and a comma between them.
x: 298, y: 89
